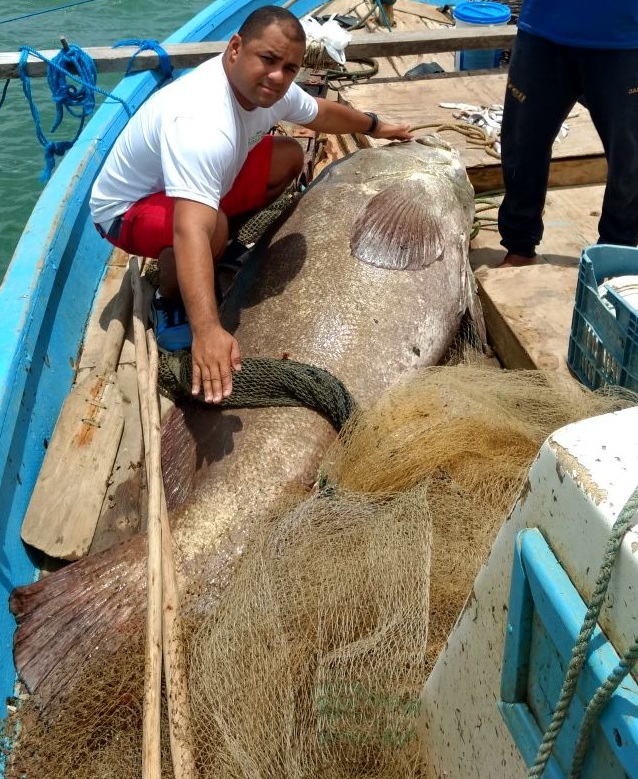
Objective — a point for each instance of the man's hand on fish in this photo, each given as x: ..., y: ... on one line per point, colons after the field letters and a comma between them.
x: 392, y: 132
x: 215, y: 356
x: 338, y: 118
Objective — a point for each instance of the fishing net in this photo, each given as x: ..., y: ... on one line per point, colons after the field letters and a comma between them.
x: 470, y: 433
x: 264, y: 382
x: 312, y: 662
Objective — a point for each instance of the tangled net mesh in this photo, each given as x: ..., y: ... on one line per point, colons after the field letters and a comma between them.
x: 313, y: 661
x: 326, y: 621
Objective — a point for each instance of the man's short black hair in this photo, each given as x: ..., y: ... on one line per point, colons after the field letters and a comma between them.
x: 263, y: 17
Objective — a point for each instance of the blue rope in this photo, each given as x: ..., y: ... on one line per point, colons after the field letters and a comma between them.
x: 147, y: 45
x: 77, y: 65
x: 72, y: 61
x: 46, y: 11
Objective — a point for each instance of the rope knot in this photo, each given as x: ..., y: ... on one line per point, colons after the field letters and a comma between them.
x: 53, y: 149
x: 147, y: 45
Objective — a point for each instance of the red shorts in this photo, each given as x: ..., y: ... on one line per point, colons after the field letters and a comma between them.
x: 147, y: 227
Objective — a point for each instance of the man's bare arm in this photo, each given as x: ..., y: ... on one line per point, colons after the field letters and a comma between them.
x: 338, y: 118
x: 215, y: 352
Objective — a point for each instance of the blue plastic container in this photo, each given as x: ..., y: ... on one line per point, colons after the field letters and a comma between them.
x: 479, y: 14
x: 603, y: 343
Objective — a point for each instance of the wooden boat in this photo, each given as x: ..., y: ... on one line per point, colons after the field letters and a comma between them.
x: 58, y: 266
x: 482, y: 714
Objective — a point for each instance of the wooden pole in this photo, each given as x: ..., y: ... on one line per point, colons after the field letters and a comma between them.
x: 172, y: 637
x: 151, y: 727
x: 175, y: 672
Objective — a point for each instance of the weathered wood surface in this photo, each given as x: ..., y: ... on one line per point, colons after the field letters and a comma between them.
x: 528, y: 310
x: 187, y: 55
x: 579, y: 170
x: 577, y: 159
x: 66, y: 503
x: 422, y: 11
x: 124, y: 510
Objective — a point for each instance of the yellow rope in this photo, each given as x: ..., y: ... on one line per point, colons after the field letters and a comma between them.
x: 475, y: 135
x: 483, y: 204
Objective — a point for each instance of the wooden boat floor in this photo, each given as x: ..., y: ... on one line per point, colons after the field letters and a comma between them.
x: 577, y: 158
x: 528, y: 310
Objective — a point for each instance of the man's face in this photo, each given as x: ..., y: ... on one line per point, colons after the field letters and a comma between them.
x: 261, y: 70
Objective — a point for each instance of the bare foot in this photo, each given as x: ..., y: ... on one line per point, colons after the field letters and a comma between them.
x: 517, y: 261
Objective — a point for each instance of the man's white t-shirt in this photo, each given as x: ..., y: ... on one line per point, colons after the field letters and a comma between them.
x: 190, y: 140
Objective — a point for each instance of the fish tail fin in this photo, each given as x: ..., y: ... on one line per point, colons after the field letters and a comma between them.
x: 71, y: 614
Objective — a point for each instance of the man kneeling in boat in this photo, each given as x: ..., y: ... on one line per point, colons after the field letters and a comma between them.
x: 198, y: 153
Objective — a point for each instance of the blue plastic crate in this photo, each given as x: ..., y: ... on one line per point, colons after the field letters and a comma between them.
x: 603, y: 343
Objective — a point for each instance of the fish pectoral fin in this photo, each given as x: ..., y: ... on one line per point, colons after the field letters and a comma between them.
x: 399, y: 229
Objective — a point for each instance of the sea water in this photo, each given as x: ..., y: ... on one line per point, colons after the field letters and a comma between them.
x: 39, y: 24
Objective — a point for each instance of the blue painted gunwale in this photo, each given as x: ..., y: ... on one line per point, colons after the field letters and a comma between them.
x: 46, y: 300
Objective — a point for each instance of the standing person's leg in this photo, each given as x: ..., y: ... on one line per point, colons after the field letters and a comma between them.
x: 542, y: 87
x: 610, y: 85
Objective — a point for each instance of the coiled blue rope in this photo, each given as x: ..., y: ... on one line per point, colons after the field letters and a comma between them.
x: 72, y: 60
x: 77, y: 65
x: 147, y: 45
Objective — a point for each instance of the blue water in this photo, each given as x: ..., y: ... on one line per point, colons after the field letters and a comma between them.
x: 94, y: 23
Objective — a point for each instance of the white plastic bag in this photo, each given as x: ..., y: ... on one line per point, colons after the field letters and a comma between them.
x: 333, y: 37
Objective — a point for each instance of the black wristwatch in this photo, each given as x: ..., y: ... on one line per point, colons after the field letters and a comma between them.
x: 374, y: 124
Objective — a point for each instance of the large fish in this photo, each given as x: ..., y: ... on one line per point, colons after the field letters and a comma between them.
x: 367, y: 278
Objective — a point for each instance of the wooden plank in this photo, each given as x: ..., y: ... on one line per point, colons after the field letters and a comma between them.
x: 506, y: 346
x: 529, y: 310
x: 188, y: 55
x: 417, y: 103
x: 110, y: 60
x: 423, y: 11
x: 124, y: 508
x: 570, y: 172
x: 528, y: 314
x: 72, y: 489
x: 68, y: 496
x: 93, y: 346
